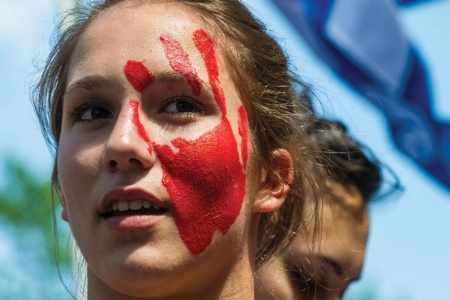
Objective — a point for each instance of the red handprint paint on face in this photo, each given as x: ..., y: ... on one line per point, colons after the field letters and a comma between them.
x: 243, y: 132
x: 179, y: 61
x: 204, y: 178
x: 206, y: 47
x: 138, y: 75
x: 134, y: 111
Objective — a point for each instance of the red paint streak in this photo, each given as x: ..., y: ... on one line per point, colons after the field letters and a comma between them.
x: 205, y: 45
x: 138, y: 75
x: 206, y: 184
x: 204, y: 177
x: 243, y: 132
x: 180, y: 63
x: 134, y: 114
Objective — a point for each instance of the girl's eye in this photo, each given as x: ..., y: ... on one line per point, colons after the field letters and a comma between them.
x: 95, y: 113
x: 304, y: 282
x: 89, y: 112
x: 182, y: 105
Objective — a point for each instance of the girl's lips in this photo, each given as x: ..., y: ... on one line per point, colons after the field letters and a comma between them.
x: 131, y: 207
x: 132, y: 221
x: 128, y: 194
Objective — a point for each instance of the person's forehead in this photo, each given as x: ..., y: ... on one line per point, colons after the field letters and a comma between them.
x: 146, y: 18
x: 342, y: 232
x: 342, y: 239
x: 128, y: 31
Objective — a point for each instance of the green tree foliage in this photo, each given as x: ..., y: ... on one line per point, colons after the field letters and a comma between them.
x: 33, y: 269
x: 26, y: 208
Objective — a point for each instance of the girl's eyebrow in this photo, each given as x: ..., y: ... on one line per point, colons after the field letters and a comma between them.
x: 97, y: 81
x: 327, y: 261
x: 335, y: 266
x: 89, y: 83
x: 174, y: 78
x: 169, y: 77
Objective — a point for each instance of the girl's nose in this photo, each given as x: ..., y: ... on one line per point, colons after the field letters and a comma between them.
x: 128, y: 145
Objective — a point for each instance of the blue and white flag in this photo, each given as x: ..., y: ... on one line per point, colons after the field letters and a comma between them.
x: 364, y: 43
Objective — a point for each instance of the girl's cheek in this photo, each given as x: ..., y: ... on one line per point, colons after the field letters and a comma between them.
x: 206, y: 183
x: 79, y: 162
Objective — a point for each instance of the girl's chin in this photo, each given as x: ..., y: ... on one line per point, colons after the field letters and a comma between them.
x: 141, y: 274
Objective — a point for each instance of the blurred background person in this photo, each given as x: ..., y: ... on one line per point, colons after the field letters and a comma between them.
x: 327, y: 254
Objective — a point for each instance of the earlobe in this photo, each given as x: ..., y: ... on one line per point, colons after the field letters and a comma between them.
x: 275, y: 190
x: 64, y: 215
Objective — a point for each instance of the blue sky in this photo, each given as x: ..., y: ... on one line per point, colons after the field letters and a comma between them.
x: 409, y: 247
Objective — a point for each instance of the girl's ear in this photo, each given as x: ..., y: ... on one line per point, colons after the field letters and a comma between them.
x: 274, y: 190
x: 64, y: 214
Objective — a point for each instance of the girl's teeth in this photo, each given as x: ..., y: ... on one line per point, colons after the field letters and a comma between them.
x: 131, y: 205
x: 136, y: 204
x: 123, y: 205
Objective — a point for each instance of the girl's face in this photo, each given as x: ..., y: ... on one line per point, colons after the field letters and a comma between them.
x: 334, y: 263
x: 153, y: 152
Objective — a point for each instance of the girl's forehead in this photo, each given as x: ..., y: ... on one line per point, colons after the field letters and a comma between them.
x: 136, y: 32
x: 146, y: 18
